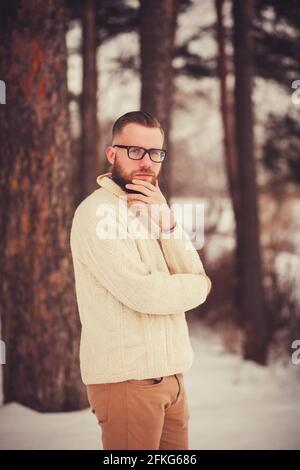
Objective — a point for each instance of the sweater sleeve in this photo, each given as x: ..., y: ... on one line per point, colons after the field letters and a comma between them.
x: 117, y: 266
x: 179, y: 252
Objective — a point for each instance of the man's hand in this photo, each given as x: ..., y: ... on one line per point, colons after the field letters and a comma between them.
x: 154, y: 201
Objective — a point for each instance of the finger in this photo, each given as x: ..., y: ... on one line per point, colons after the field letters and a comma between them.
x: 140, y: 188
x: 147, y: 184
x: 138, y: 197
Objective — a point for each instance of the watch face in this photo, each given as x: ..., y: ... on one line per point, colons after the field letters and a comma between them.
x: 170, y: 230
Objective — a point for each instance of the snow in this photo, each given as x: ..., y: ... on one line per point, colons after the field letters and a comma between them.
x: 237, y: 404
x: 23, y: 428
x: 234, y: 404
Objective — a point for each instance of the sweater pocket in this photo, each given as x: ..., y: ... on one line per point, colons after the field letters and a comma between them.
x: 134, y: 340
x: 179, y: 338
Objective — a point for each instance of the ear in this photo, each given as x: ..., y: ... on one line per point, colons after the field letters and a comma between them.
x: 110, y: 154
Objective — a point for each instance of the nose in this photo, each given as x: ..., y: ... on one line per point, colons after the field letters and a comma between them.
x: 146, y: 162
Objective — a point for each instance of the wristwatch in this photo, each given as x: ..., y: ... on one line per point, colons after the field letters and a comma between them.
x: 171, y: 229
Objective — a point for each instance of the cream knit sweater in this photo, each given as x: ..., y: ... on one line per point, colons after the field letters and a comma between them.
x: 132, y: 295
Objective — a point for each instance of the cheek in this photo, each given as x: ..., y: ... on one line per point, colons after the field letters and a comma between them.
x: 124, y: 166
x: 132, y: 166
x: 157, y: 170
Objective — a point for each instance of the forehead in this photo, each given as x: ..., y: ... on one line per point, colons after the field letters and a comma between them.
x: 135, y: 134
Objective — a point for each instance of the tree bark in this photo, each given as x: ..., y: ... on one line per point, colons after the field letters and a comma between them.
x: 90, y: 165
x: 227, y: 111
x: 252, y: 296
x: 231, y: 163
x: 40, y: 323
x: 158, y: 20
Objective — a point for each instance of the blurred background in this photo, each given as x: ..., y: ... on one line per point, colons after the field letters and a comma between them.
x: 222, y: 76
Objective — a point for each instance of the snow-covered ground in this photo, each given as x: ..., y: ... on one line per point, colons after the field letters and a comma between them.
x: 234, y: 404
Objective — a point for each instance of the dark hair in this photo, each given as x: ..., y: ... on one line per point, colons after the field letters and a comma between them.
x: 136, y: 117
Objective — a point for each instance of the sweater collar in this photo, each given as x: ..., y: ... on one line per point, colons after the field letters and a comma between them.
x: 108, y: 183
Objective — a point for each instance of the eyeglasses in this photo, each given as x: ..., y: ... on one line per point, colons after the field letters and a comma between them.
x: 137, y: 153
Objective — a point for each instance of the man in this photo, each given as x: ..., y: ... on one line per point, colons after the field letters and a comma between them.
x: 132, y: 296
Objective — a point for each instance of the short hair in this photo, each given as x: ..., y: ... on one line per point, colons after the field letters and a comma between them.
x: 136, y: 117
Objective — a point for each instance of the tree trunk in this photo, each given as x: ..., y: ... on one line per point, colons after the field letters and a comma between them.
x: 227, y: 111
x: 40, y: 323
x: 157, y: 31
x: 252, y: 296
x: 90, y: 164
x: 231, y: 163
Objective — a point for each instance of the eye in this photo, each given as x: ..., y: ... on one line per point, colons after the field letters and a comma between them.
x: 135, y: 152
x: 157, y: 154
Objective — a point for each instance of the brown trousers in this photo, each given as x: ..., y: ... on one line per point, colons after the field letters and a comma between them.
x: 149, y: 414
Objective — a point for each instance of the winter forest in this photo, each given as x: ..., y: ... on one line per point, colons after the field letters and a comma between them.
x: 223, y: 78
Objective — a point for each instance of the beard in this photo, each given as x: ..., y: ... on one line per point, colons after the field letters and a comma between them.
x: 119, y: 177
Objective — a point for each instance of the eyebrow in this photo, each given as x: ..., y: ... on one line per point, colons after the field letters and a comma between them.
x: 139, y: 146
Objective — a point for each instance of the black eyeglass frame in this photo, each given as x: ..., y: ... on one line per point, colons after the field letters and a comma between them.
x: 142, y: 148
